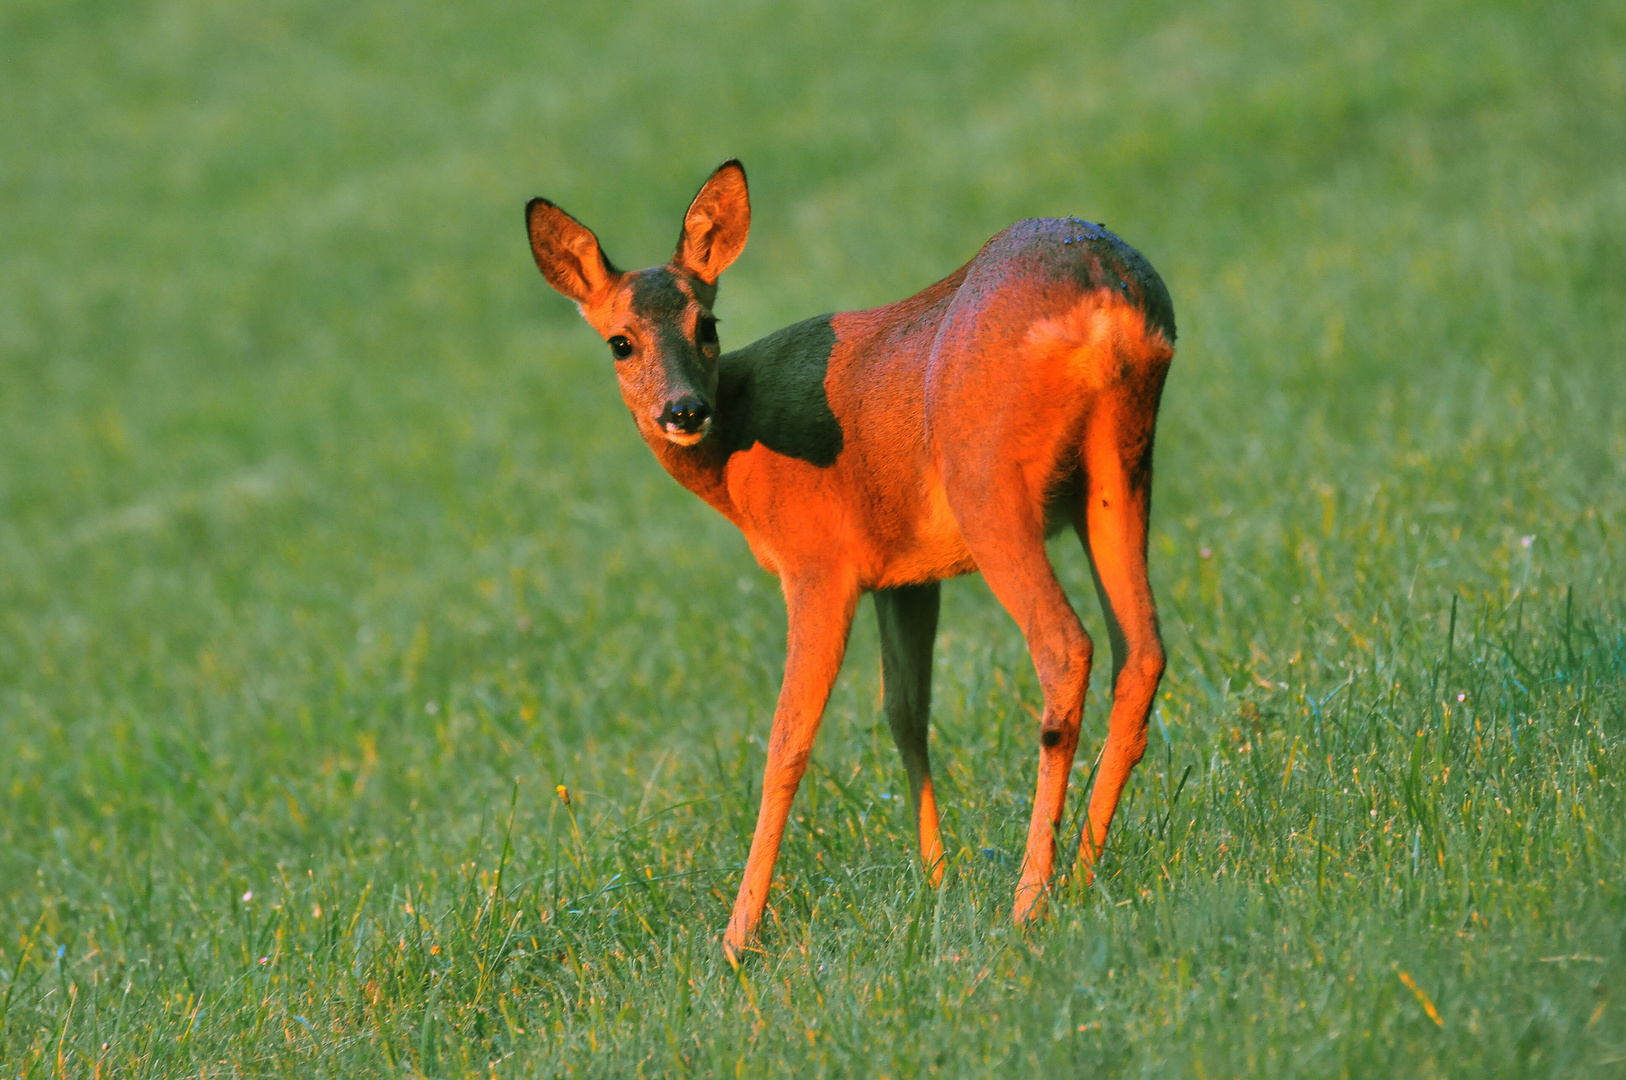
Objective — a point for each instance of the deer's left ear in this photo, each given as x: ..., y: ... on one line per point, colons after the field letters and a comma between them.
x: 714, y: 229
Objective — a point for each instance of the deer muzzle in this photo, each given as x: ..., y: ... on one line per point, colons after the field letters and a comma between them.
x: 685, y: 420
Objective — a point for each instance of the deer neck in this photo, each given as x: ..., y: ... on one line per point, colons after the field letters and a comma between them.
x: 700, y: 468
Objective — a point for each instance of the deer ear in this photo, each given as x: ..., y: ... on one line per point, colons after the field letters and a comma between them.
x: 714, y: 228
x: 567, y: 252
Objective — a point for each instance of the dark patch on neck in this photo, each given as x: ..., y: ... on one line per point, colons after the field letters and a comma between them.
x: 772, y: 392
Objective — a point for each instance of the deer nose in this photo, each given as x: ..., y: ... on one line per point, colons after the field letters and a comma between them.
x: 687, y: 415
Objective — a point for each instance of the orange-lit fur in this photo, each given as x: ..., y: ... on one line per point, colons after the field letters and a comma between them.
x: 1017, y: 393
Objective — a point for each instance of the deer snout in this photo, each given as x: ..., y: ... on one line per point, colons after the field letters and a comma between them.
x: 686, y: 419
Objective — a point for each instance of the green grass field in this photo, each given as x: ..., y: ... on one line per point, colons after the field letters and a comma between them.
x: 327, y: 550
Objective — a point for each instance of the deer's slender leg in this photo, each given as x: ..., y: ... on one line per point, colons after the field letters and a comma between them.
x: 1117, y: 503
x: 1001, y: 519
x: 908, y: 621
x: 820, y: 606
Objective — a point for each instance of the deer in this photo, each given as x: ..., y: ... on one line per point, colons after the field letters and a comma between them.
x: 887, y: 450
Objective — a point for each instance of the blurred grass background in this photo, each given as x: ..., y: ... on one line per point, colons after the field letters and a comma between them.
x: 326, y: 550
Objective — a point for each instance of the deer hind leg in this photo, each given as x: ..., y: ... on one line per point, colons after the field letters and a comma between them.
x: 1112, y: 523
x: 908, y: 622
x: 1001, y: 518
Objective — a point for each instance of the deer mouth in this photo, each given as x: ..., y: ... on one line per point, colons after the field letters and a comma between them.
x: 685, y: 420
x: 681, y: 437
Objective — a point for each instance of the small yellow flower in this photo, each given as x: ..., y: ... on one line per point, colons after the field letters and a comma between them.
x: 563, y: 793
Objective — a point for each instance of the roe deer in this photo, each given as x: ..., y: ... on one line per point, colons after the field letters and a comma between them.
x: 886, y: 450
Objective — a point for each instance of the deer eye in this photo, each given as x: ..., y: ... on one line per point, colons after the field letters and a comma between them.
x: 620, y: 347
x: 706, y: 332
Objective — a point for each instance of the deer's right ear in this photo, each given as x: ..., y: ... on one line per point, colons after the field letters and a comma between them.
x: 567, y: 252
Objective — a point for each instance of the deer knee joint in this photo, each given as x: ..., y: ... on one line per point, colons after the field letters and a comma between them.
x: 1057, y: 728
x: 1150, y: 665
x: 1085, y: 651
x: 1141, y: 672
x: 1135, y: 746
x: 786, y: 767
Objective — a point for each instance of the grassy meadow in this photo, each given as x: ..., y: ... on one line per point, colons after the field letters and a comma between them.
x: 327, y: 551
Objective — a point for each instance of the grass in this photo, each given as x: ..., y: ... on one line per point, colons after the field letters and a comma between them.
x: 327, y: 554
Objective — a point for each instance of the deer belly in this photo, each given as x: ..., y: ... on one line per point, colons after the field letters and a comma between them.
x: 924, y: 545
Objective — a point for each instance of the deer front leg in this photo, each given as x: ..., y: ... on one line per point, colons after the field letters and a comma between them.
x: 820, y: 607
